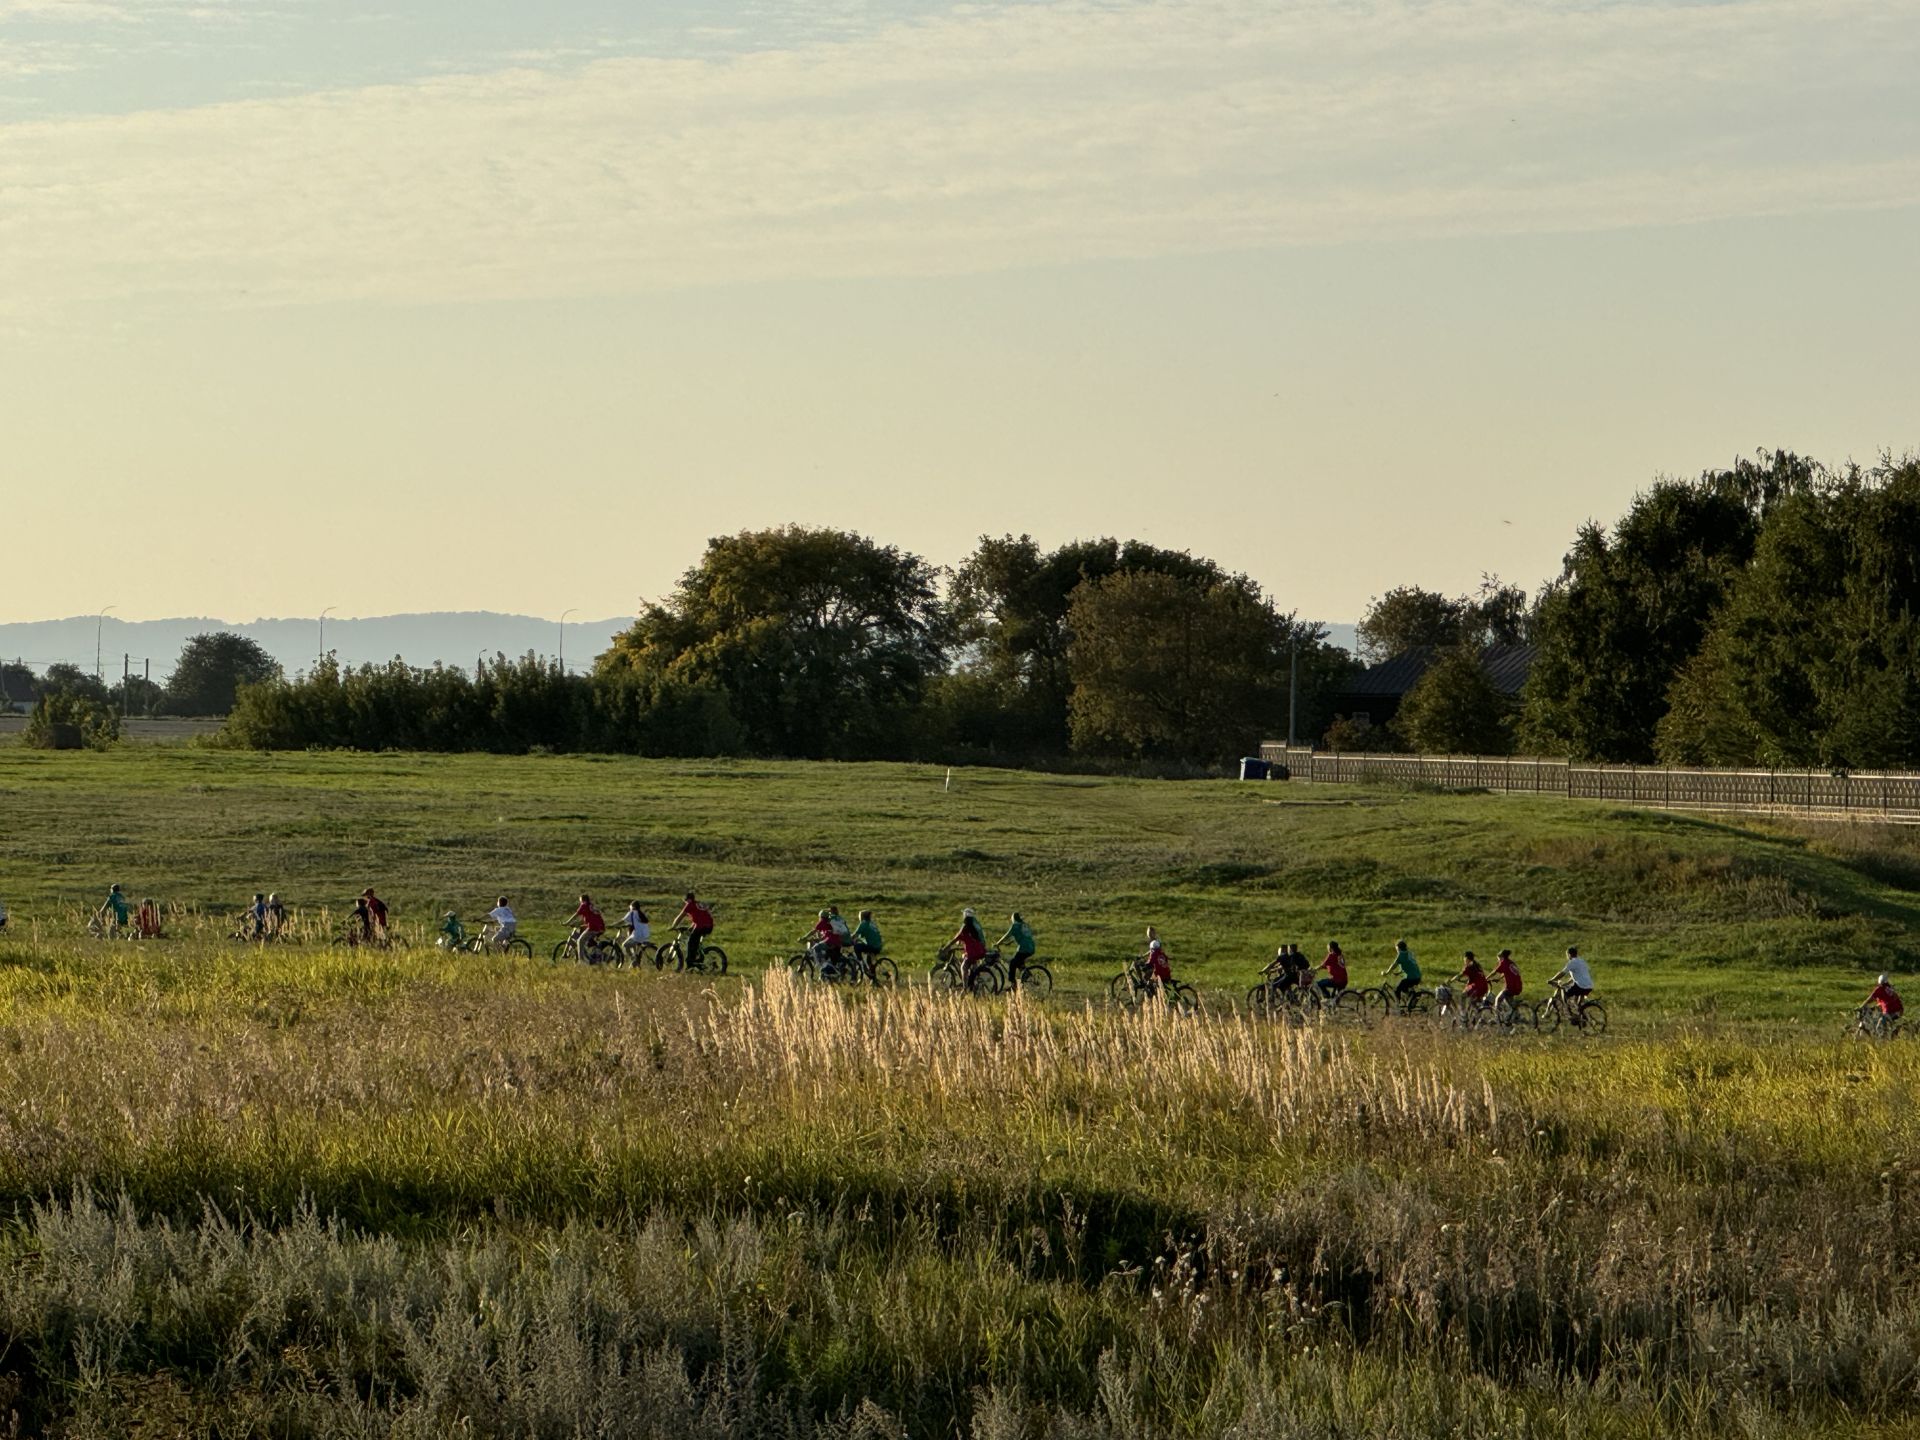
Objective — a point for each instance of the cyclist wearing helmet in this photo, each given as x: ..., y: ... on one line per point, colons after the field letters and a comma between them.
x: 866, y: 937
x: 276, y: 916
x: 823, y: 941
x: 453, y: 935
x: 1158, y: 963
x: 1887, y: 998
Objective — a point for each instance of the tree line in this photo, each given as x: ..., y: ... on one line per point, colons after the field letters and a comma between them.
x: 826, y: 644
x: 1767, y: 614
x: 71, y: 707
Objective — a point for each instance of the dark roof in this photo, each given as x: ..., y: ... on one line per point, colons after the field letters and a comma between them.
x: 1506, y: 666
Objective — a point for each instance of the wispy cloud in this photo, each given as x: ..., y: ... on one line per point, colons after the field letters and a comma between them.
x: 990, y: 138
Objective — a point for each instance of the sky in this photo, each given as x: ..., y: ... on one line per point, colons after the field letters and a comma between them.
x: 306, y: 303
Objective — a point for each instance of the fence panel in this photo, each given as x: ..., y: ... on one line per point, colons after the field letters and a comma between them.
x: 1876, y: 795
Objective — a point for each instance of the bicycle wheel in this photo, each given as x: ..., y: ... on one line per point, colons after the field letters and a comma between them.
x: 1375, y: 1003
x: 944, y: 975
x: 520, y: 946
x: 1593, y: 1016
x: 713, y: 960
x: 1182, y: 997
x: 985, y: 980
x: 1420, y: 1002
x: 1120, y: 989
x: 883, y: 971
x: 559, y: 952
x: 1546, y: 1016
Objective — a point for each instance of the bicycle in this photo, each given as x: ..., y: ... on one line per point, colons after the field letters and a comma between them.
x: 588, y: 947
x: 1031, y: 975
x: 983, y: 977
x: 488, y: 942
x: 99, y: 929
x: 1385, y: 1000
x: 1870, y: 1022
x: 353, y: 937
x: 711, y: 960
x: 1137, y: 984
x: 1586, y: 1014
x: 817, y: 961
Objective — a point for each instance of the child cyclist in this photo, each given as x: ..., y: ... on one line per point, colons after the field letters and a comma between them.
x: 1887, y: 1000
x: 639, y: 930
x: 453, y: 935
x: 505, y: 922
x: 1511, y: 985
x: 1578, y: 977
x: 1406, y: 967
x: 1474, y: 981
x: 589, y: 920
x: 699, y: 919
x: 972, y: 943
x: 1336, y: 967
x: 824, y: 942
x: 1020, y: 936
x: 867, y: 941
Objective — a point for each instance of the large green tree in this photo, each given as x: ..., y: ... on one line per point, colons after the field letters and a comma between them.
x: 1408, y: 618
x: 1165, y: 666
x: 1815, y: 658
x: 1633, y: 606
x: 1456, y: 709
x: 822, y: 641
x: 212, y: 668
x: 1010, y: 604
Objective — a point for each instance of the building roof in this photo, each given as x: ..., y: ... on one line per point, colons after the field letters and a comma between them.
x: 1506, y: 667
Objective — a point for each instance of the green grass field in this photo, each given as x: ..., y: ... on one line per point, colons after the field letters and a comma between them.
x: 302, y: 1191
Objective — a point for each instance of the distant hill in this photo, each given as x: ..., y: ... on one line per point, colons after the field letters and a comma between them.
x: 453, y: 638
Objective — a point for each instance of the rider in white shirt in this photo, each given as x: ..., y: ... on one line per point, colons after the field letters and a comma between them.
x: 503, y: 916
x: 638, y: 930
x: 1579, y: 978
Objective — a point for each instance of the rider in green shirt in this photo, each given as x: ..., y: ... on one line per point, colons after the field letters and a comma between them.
x: 119, y: 904
x: 452, y: 933
x: 1406, y: 967
x: 1021, y: 934
x: 866, y: 936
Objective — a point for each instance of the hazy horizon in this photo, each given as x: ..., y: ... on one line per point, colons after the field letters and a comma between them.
x: 510, y: 308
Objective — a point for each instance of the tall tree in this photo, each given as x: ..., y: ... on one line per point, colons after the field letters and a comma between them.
x: 821, y: 640
x: 1010, y: 607
x: 1171, y: 667
x: 212, y: 668
x: 1409, y: 618
x: 1456, y: 709
x: 1632, y: 607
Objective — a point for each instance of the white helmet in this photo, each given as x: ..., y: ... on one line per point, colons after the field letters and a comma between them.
x: 966, y: 914
x: 1153, y: 945
x: 1883, y: 979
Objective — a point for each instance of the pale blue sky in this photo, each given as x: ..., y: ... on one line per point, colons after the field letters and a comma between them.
x: 320, y: 304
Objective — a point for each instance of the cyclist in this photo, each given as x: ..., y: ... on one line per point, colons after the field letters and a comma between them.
x: 275, y: 916
x: 1024, y: 946
x: 146, y: 923
x: 1336, y: 967
x: 1284, y: 970
x: 1510, y: 982
x: 257, y: 917
x: 1578, y: 977
x: 699, y: 920
x: 588, y: 919
x: 1406, y: 967
x: 504, y: 921
x: 376, y: 920
x: 840, y: 927
x: 972, y: 941
x: 1888, y: 999
x: 116, y: 905
x: 362, y: 918
x: 453, y: 935
x: 1159, y: 965
x: 824, y: 942
x: 1476, y: 982
x: 866, y: 938
x: 639, y: 928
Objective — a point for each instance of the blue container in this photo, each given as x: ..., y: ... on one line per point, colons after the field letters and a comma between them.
x: 1253, y: 768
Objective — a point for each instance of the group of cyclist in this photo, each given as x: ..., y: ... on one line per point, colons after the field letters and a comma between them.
x: 832, y: 940
x: 1289, y: 972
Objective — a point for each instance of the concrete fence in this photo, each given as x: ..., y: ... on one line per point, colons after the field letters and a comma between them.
x: 1869, y: 795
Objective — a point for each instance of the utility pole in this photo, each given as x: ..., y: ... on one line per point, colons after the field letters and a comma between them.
x: 1293, y: 688
x: 126, y: 684
x: 563, y: 637
x: 323, y: 634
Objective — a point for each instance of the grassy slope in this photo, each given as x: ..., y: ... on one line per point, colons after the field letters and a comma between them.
x: 1775, y: 924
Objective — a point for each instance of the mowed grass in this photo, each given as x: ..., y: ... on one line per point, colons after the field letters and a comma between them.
x: 310, y: 1192
x: 1676, y: 912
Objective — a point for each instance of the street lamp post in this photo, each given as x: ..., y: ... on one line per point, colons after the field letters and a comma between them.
x: 323, y: 635
x: 99, y: 625
x: 563, y: 636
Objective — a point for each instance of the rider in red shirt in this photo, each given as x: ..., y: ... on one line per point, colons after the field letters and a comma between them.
x: 971, y: 939
x: 590, y: 919
x: 1509, y: 974
x: 1158, y: 963
x: 1336, y: 967
x: 376, y: 921
x: 699, y: 925
x: 1476, y: 978
x: 824, y: 939
x: 1888, y: 999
